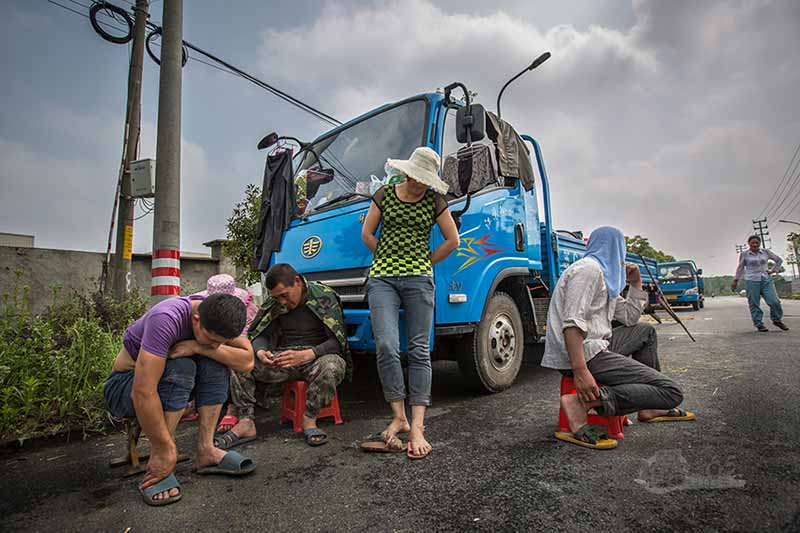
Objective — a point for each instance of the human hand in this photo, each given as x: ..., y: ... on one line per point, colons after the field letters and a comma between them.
x: 633, y: 274
x: 184, y: 349
x: 161, y: 464
x: 266, y: 357
x: 733, y: 285
x: 292, y: 358
x: 586, y: 386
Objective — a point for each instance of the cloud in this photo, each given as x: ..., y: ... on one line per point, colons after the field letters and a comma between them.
x: 675, y: 127
x: 71, y: 178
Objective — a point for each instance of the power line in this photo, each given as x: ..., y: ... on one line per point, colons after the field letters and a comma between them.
x: 783, y: 181
x: 790, y: 189
x: 790, y: 206
x: 296, y: 102
x: 62, y: 6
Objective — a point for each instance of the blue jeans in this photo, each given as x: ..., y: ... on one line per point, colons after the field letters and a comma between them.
x: 208, y: 377
x: 415, y: 295
x: 765, y: 288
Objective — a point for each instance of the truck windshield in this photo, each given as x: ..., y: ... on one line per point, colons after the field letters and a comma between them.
x: 357, y: 155
x: 675, y: 272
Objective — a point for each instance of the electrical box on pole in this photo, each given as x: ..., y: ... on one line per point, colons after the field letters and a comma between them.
x: 143, y: 178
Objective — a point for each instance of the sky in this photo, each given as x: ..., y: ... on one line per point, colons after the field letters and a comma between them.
x: 673, y: 120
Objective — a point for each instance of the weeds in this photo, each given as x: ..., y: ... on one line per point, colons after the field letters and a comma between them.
x: 53, y: 365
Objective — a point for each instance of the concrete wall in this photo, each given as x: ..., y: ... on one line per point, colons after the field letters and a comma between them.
x: 43, y: 267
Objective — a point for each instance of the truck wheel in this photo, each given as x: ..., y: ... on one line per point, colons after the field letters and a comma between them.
x: 491, y: 357
x: 695, y: 306
x: 702, y: 303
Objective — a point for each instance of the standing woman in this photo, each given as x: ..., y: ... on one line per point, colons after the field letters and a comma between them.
x: 753, y: 264
x: 401, y: 276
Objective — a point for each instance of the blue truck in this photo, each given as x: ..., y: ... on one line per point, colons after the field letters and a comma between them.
x: 682, y: 283
x: 492, y: 293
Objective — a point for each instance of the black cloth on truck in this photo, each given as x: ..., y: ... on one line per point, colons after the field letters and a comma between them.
x: 277, y: 208
x: 513, y: 157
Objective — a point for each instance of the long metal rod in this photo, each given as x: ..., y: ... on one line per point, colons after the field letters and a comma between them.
x: 664, y: 302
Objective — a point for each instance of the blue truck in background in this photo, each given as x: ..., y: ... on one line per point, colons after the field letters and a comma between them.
x: 492, y: 293
x: 682, y: 283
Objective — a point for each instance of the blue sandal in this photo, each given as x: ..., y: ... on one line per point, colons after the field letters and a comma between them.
x: 315, y: 437
x: 233, y: 464
x: 168, y: 483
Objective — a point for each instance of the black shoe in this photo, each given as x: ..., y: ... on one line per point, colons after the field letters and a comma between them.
x: 781, y: 325
x: 762, y: 328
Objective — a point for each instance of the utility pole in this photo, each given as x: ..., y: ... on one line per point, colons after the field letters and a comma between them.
x: 165, y: 271
x: 740, y: 248
x: 760, y: 227
x: 124, y: 248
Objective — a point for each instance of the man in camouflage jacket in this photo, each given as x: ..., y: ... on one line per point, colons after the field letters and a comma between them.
x: 299, y: 334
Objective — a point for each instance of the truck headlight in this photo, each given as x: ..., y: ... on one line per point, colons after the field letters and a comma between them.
x: 690, y: 292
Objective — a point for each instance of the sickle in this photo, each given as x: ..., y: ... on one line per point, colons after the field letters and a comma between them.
x: 664, y: 302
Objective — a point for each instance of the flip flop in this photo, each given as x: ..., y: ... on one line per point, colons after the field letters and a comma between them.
x: 674, y: 415
x: 230, y: 439
x: 315, y: 432
x: 227, y: 421
x: 233, y: 464
x: 588, y: 436
x: 411, y: 455
x: 379, y: 446
x: 168, y: 483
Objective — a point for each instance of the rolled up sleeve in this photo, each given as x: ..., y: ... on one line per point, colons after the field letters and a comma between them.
x: 629, y: 309
x: 579, y: 290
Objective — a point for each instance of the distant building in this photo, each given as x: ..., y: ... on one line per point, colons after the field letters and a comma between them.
x: 16, y: 239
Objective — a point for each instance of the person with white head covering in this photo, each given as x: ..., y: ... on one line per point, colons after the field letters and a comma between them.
x: 401, y: 276
x: 581, y: 343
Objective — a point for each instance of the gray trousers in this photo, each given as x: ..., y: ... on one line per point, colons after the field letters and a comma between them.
x: 630, y: 373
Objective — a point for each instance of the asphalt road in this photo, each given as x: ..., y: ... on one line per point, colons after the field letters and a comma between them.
x: 495, y: 464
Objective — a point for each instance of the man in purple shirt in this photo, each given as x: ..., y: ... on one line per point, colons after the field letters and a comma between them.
x: 180, y: 345
x: 754, y: 265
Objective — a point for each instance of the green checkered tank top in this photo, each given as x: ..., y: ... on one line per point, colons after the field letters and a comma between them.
x: 403, y: 245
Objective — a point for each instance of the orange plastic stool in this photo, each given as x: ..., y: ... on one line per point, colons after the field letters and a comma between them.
x: 293, y: 406
x: 613, y: 423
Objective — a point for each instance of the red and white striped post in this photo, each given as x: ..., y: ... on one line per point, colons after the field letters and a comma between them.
x: 166, y: 267
x: 165, y: 273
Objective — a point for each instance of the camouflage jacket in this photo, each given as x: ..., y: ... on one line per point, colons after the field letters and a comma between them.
x: 322, y: 301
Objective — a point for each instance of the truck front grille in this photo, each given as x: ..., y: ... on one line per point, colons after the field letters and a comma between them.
x: 350, y: 284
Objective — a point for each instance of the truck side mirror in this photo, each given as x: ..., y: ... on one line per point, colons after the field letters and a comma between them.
x: 471, y: 119
x: 699, y: 271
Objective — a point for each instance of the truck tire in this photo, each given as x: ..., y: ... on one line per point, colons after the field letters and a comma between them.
x: 702, y: 303
x: 695, y: 306
x: 491, y: 357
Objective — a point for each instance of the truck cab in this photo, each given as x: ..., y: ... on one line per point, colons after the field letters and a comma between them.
x: 682, y: 283
x: 492, y: 293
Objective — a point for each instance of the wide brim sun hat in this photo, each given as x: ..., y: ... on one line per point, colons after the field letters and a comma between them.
x: 422, y: 166
x: 225, y: 284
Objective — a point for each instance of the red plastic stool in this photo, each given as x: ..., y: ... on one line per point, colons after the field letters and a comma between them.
x: 293, y: 406
x: 613, y: 423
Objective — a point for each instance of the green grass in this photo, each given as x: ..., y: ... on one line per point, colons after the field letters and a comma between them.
x: 53, y: 365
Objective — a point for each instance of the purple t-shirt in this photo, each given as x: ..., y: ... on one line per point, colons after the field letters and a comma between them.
x: 165, y: 324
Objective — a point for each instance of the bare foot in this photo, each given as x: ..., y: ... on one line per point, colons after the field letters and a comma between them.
x: 397, y: 425
x: 647, y: 414
x: 171, y: 493
x: 246, y: 427
x: 575, y: 411
x: 208, y: 457
x: 310, y: 423
x: 417, y: 445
